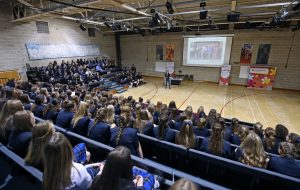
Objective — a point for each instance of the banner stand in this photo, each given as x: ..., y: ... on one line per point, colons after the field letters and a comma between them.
x: 225, y: 74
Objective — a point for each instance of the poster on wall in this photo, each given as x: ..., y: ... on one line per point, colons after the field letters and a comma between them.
x: 159, y: 52
x: 246, y: 54
x: 225, y: 74
x: 37, y: 51
x: 263, y: 54
x: 261, y: 77
x: 170, y: 52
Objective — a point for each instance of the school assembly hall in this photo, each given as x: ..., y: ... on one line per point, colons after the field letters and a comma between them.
x: 149, y: 94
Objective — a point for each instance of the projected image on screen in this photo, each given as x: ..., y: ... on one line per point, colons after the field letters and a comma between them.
x: 206, y: 51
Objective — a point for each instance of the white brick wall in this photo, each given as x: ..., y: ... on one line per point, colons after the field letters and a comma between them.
x: 13, y: 36
x: 141, y: 51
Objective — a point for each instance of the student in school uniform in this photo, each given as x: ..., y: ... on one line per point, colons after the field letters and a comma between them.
x: 81, y: 119
x: 285, y: 164
x: 215, y: 144
x: 163, y: 131
x: 99, y: 130
x: 65, y: 116
x: 200, y: 129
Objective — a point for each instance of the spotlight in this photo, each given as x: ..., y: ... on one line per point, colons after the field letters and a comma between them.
x: 82, y: 27
x: 169, y: 7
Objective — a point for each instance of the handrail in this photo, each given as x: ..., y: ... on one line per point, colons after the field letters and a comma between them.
x: 17, y: 159
x: 149, y: 163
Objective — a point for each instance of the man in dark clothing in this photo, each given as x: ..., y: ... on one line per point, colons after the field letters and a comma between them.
x: 168, y: 80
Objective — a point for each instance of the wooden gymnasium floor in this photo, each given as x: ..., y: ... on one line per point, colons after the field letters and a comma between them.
x: 267, y: 107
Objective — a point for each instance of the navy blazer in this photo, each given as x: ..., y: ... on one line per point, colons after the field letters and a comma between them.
x: 19, y: 142
x: 235, y: 139
x: 100, y: 132
x: 64, y: 119
x: 51, y: 115
x: 285, y: 165
x: 81, y: 127
x: 128, y: 139
x: 148, y: 129
x: 177, y: 125
x: 39, y: 111
x: 27, y: 106
x: 226, y: 147
x: 227, y: 134
x: 203, y: 132
x: 169, y: 134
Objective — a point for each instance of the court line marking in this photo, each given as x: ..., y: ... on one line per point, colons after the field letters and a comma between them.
x: 189, y: 96
x: 260, y: 111
x: 224, y: 102
x: 250, y: 106
x: 155, y: 91
x: 146, y: 93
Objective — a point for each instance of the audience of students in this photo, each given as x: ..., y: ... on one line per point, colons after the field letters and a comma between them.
x: 116, y: 121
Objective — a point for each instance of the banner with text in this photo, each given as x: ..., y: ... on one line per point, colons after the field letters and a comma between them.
x: 225, y: 74
x: 261, y: 77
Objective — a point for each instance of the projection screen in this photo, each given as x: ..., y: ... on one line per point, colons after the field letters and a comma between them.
x: 207, y: 51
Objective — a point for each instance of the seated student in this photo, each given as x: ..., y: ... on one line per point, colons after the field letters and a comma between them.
x: 285, y: 164
x: 178, y: 124
x: 38, y: 106
x: 65, y: 116
x: 183, y: 184
x: 163, y: 131
x: 111, y: 117
x: 269, y: 140
x: 232, y: 130
x: 251, y: 152
x: 126, y: 136
x: 41, y: 133
x: 51, y: 110
x: 8, y: 110
x: 258, y: 129
x: 215, y: 144
x: 117, y: 173
x: 200, y: 129
x: 189, y: 113
x: 60, y: 172
x: 186, y: 136
x: 211, y: 118
x: 238, y: 137
x: 25, y: 101
x: 151, y: 110
x: 98, y: 129
x: 81, y: 119
x: 144, y: 122
x: 295, y: 140
x: 281, y: 135
x: 20, y: 136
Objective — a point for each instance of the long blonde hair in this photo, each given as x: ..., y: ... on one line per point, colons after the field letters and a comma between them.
x: 189, y: 112
x: 9, y: 109
x: 186, y: 135
x: 110, y: 114
x: 57, y: 156
x: 253, y: 151
x: 82, y: 111
x: 41, y: 133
